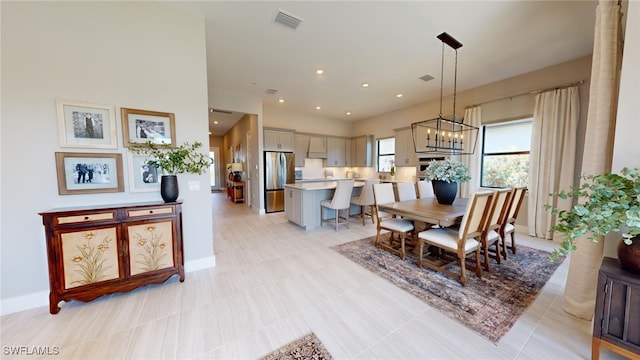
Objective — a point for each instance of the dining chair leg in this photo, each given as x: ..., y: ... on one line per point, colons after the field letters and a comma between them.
x: 420, y: 248
x: 362, y: 213
x: 485, y: 253
x: 478, y: 268
x: 513, y: 242
x: 402, y: 240
x: 463, y: 270
x: 497, y: 251
x: 371, y: 210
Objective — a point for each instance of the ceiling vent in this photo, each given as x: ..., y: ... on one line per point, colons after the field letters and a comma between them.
x: 289, y: 20
x: 427, y: 78
x: 222, y: 111
x: 271, y: 91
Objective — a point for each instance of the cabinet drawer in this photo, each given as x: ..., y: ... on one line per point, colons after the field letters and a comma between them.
x: 150, y: 211
x: 85, y: 218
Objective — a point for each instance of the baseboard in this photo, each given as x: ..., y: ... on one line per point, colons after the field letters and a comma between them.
x: 41, y: 298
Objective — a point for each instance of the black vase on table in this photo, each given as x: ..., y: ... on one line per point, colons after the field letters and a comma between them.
x: 445, y: 192
x: 169, y: 188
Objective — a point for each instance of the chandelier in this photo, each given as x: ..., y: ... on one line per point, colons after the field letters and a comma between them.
x: 445, y: 135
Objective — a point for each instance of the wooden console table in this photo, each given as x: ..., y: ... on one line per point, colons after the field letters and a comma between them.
x: 235, y: 191
x: 617, y: 314
x: 99, y: 250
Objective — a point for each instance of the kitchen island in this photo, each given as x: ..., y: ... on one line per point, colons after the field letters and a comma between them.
x: 302, y: 201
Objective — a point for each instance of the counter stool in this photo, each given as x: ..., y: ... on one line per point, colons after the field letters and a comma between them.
x: 365, y: 200
x: 341, y: 201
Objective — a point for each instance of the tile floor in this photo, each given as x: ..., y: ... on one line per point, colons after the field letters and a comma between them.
x: 275, y: 282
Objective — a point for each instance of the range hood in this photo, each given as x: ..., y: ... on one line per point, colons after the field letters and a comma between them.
x: 317, y: 147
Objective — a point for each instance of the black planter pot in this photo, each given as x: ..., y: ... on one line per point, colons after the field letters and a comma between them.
x: 169, y: 188
x: 629, y: 255
x: 445, y: 192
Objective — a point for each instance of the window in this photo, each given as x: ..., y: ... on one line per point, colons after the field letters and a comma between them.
x: 505, y: 154
x: 386, y: 154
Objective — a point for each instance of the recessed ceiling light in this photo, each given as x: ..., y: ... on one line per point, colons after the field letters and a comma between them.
x: 348, y: 113
x: 398, y: 95
x: 210, y: 110
x: 317, y: 107
x: 281, y: 100
x: 319, y: 71
x: 365, y: 85
x: 215, y: 122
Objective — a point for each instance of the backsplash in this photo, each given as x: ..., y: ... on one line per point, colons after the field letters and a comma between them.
x: 314, y: 169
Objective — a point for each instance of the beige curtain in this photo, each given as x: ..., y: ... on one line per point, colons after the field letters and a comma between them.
x: 553, y: 155
x: 580, y: 290
x: 473, y: 117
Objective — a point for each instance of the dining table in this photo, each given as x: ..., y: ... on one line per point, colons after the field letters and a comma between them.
x: 428, y: 210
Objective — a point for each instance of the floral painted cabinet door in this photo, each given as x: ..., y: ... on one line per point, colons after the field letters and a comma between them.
x: 150, y: 246
x: 89, y: 256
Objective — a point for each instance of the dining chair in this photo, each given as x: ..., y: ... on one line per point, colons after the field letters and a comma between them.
x: 365, y: 200
x: 425, y: 189
x: 458, y: 243
x: 341, y: 201
x: 490, y: 235
x: 383, y: 194
x: 406, y: 191
x: 508, y: 223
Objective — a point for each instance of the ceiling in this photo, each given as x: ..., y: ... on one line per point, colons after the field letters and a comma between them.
x: 389, y: 45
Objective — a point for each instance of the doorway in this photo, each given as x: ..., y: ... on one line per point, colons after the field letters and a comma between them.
x: 214, y: 169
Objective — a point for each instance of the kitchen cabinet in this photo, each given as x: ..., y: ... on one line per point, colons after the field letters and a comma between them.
x: 94, y: 251
x: 278, y: 140
x: 336, y: 152
x: 617, y: 311
x: 362, y: 150
x: 348, y: 157
x: 301, y: 149
x: 405, y: 151
x: 293, y: 206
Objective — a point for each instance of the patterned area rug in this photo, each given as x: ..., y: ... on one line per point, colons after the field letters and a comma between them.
x: 307, y: 347
x: 489, y: 305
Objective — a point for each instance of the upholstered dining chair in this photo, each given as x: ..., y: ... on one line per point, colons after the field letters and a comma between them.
x: 406, y: 191
x: 341, y: 201
x: 490, y: 236
x: 508, y: 223
x: 458, y: 243
x: 383, y: 194
x: 365, y: 200
x: 425, y: 189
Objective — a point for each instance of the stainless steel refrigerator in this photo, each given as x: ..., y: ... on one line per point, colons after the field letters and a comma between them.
x: 279, y: 170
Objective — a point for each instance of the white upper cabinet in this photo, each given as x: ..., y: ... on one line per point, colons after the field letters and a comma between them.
x: 278, y: 140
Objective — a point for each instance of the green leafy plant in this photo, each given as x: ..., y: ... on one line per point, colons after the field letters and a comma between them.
x: 174, y: 160
x: 448, y: 171
x: 605, y: 203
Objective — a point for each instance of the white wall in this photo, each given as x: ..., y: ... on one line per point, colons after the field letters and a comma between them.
x: 141, y: 55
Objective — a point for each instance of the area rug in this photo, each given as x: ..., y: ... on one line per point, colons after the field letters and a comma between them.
x: 307, y: 347
x: 489, y: 305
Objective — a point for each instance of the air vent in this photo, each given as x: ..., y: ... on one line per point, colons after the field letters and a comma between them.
x: 288, y: 20
x: 222, y: 111
x: 427, y: 78
x: 271, y: 91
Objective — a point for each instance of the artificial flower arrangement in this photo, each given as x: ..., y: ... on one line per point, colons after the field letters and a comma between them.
x: 174, y: 160
x: 448, y: 171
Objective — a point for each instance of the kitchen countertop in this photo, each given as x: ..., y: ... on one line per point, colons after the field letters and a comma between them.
x: 319, y: 185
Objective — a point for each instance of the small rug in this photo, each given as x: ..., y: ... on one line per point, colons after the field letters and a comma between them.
x: 307, y: 347
x: 489, y: 305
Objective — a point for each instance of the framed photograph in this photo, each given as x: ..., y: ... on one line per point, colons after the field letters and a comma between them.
x: 85, y: 125
x: 140, y: 126
x: 86, y: 173
x: 142, y: 175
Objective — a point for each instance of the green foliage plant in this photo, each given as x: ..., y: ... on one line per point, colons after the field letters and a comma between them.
x: 174, y: 160
x: 448, y: 171
x: 604, y: 203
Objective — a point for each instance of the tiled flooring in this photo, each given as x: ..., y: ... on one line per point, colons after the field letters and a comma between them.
x: 275, y: 282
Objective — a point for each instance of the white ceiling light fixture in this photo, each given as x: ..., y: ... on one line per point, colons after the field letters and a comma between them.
x: 287, y: 19
x: 445, y: 135
x: 348, y: 113
x: 399, y: 95
x: 318, y: 107
x: 319, y: 71
x: 365, y: 85
x: 281, y: 101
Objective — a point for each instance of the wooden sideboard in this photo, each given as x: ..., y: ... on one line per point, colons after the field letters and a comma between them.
x: 235, y: 191
x: 617, y: 314
x: 99, y: 250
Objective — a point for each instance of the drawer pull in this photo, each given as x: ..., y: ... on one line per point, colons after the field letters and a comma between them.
x: 150, y: 211
x: 86, y: 218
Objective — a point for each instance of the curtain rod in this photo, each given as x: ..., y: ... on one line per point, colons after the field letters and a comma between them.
x: 530, y: 92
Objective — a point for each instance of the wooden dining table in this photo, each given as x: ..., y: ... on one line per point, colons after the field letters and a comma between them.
x: 428, y: 210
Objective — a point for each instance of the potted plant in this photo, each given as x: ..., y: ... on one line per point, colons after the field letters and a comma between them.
x: 173, y: 160
x: 445, y: 176
x: 604, y: 203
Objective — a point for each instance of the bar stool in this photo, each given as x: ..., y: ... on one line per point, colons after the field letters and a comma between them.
x: 341, y: 201
x: 365, y: 200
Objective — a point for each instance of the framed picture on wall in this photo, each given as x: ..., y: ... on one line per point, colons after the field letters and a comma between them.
x: 142, y: 175
x: 140, y: 126
x: 86, y: 125
x: 86, y: 173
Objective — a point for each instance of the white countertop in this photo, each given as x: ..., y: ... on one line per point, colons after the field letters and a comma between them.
x: 319, y: 185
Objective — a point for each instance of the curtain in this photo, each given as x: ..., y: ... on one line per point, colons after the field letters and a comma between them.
x: 552, y: 157
x: 473, y: 117
x: 580, y: 290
